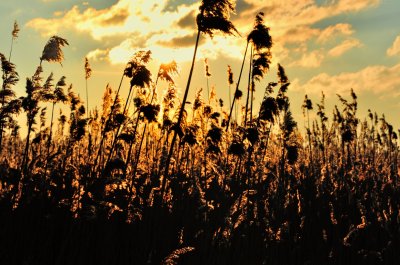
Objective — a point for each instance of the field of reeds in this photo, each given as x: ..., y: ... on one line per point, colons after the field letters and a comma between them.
x: 140, y: 180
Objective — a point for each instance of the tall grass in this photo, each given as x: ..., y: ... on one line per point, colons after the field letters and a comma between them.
x: 160, y: 186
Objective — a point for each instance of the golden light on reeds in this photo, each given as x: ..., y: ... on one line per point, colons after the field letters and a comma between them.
x: 148, y: 179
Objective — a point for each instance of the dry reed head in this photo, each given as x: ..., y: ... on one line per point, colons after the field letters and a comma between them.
x: 261, y: 62
x: 52, y: 51
x: 15, y: 31
x: 230, y: 75
x: 260, y: 36
x: 269, y: 109
x: 59, y: 95
x: 88, y: 69
x: 238, y: 94
x: 10, y: 75
x: 207, y: 68
x: 167, y: 71
x: 282, y: 75
x: 214, y: 15
x: 172, y: 259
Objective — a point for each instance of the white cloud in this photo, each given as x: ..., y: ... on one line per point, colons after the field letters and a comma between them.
x: 395, y: 48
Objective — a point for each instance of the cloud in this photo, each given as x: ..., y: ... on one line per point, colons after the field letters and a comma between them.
x: 309, y: 60
x: 332, y: 31
x: 293, y: 24
x: 126, y: 17
x: 98, y: 23
x: 395, y: 48
x: 283, y: 14
x: 151, y: 24
x: 303, y: 33
x: 298, y: 34
x: 115, y: 19
x: 188, y: 20
x: 211, y: 49
x: 145, y: 24
x: 380, y: 80
x: 344, y: 47
x: 184, y: 41
x: 98, y: 55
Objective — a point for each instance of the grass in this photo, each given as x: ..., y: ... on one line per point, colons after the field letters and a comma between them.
x: 160, y: 186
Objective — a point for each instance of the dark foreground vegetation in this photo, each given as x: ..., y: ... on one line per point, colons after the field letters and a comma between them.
x: 150, y: 180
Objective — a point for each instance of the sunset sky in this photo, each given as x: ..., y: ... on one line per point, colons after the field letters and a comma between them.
x: 324, y: 45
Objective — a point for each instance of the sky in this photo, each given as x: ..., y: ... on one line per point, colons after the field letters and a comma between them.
x: 328, y: 46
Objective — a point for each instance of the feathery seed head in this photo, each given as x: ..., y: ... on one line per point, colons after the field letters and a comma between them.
x: 214, y: 15
x: 260, y: 36
x: 208, y: 74
x: 150, y: 112
x: 167, y: 71
x: 215, y: 134
x: 282, y: 75
x: 237, y: 148
x: 307, y: 103
x: 88, y: 69
x: 238, y: 94
x: 15, y: 31
x: 230, y: 75
x: 52, y: 51
x: 269, y: 109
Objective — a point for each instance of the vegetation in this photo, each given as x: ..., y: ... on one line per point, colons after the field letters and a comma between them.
x: 171, y: 182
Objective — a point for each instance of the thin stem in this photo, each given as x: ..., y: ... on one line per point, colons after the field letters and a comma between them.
x: 230, y: 96
x: 179, y: 117
x: 154, y: 88
x: 119, y: 128
x: 87, y: 100
x: 136, y: 126
x: 248, y: 88
x: 137, y: 159
x: 208, y: 90
x: 49, y: 141
x: 237, y: 87
x: 309, y: 137
x: 107, y: 121
x: 11, y: 49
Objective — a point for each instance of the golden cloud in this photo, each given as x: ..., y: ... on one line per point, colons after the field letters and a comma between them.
x: 309, y: 60
x: 331, y: 31
x: 150, y: 24
x: 98, y: 55
x: 98, y: 23
x: 125, y: 17
x: 395, y: 48
x: 377, y: 79
x: 344, y: 47
x: 283, y: 14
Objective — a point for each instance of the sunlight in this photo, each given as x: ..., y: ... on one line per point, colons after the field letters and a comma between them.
x: 224, y: 125
x: 166, y: 55
x: 119, y: 54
